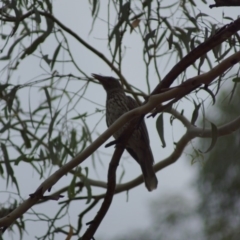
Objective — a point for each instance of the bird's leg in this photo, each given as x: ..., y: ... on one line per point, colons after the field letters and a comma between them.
x: 114, y: 142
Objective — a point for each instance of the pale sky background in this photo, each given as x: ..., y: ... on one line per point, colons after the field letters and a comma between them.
x: 123, y: 215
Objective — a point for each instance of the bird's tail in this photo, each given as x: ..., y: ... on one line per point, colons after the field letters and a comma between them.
x: 149, y: 175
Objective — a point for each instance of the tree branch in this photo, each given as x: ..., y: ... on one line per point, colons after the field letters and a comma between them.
x: 109, y: 194
x: 193, y: 83
x: 224, y: 3
x: 78, y: 38
x: 220, y: 36
x: 191, y: 133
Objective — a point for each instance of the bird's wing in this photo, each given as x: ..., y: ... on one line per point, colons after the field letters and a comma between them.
x: 144, y: 143
x: 133, y: 104
x: 142, y: 127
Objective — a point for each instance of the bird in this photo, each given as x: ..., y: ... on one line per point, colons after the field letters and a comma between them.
x: 138, y: 145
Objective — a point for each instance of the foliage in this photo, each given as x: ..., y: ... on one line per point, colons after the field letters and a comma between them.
x: 45, y: 126
x: 218, y: 179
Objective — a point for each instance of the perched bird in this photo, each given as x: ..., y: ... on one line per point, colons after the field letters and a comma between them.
x: 138, y: 144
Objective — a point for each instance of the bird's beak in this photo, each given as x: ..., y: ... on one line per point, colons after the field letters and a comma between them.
x: 100, y: 78
x: 103, y: 80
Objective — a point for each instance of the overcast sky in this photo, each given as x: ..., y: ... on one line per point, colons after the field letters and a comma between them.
x: 123, y: 215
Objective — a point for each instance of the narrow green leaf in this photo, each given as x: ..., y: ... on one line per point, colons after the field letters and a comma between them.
x: 195, y: 112
x: 30, y: 109
x: 6, y: 159
x: 192, y: 3
x: 50, y: 129
x: 22, y: 156
x: 5, y: 109
x: 73, y: 139
x: 48, y: 100
x: 40, y: 3
x: 192, y: 46
x: 214, y: 137
x: 5, y: 126
x: 87, y: 185
x: 1, y: 170
x: 201, y: 61
x: 191, y: 19
x: 148, y: 36
x: 219, y: 81
x: 4, y: 36
x: 232, y: 92
x: 146, y: 3
x: 161, y: 38
x: 26, y: 139
x: 170, y: 41
x: 224, y: 54
x: 236, y: 80
x: 67, y: 151
x: 41, y: 154
x: 3, y: 87
x: 179, y: 49
x: 125, y: 11
x: 217, y: 51
x: 201, y: 14
x: 117, y: 44
x: 121, y: 176
x: 80, y: 116
x: 39, y: 142
x: 71, y: 188
x: 160, y: 129
x: 115, y: 31
x: 206, y: 33
x: 94, y: 7
x: 46, y: 59
x: 211, y: 94
x: 182, y: 36
x: 10, y: 172
x: 55, y: 55
x: 171, y: 119
x: 53, y: 154
x: 37, y: 15
x: 11, y: 97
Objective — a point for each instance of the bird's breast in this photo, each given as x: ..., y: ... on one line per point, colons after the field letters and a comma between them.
x: 115, y: 107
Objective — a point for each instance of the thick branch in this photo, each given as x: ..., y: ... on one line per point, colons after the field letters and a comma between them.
x: 120, y: 146
x: 225, y: 3
x: 153, y: 101
x: 225, y: 129
x: 219, y: 37
x: 109, y: 194
x: 191, y: 133
x: 193, y: 83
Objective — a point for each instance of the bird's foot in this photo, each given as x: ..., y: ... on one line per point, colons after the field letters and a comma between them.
x: 114, y: 142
